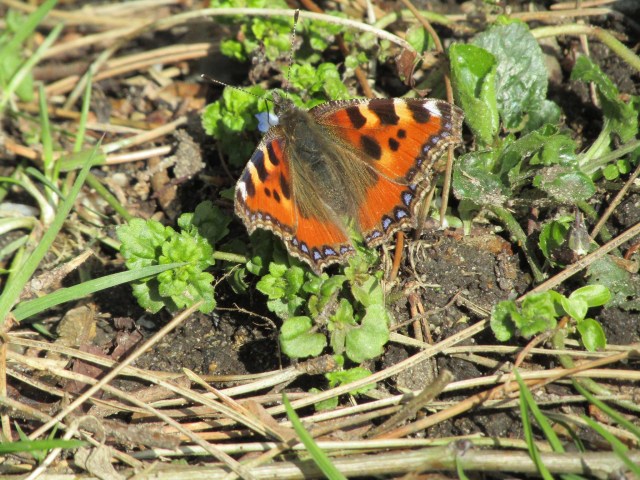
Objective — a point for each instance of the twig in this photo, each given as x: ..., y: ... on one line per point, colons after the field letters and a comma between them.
x: 615, y: 202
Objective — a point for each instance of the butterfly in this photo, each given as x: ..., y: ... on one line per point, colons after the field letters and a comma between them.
x: 345, y: 164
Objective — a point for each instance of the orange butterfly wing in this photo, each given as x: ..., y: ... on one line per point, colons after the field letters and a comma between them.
x: 400, y: 140
x: 264, y: 199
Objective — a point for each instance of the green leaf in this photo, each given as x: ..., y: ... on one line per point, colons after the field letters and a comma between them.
x: 473, y: 180
x: 624, y: 287
x: 367, y: 340
x: 592, y: 334
x: 623, y: 116
x: 566, y: 185
x: 419, y: 39
x: 324, y: 405
x: 473, y: 72
x: 342, y: 377
x: 142, y: 242
x: 538, y: 314
x: 504, y: 316
x: 576, y: 308
x: 553, y: 235
x: 233, y: 114
x: 32, y: 307
x: 534, y: 453
x: 368, y: 292
x: 207, y: 220
x: 593, y: 295
x: 341, y: 323
x: 298, y: 340
x: 616, y: 416
x: 618, y: 447
x: 521, y: 77
x: 7, y: 448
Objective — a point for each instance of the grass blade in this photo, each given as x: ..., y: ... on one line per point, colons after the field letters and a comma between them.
x: 319, y: 456
x: 12, y: 290
x: 31, y: 307
x: 619, y: 419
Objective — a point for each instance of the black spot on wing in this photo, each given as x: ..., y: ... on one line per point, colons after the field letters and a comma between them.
x: 258, y: 162
x: 284, y: 187
x: 357, y: 119
x: 249, y: 186
x: 267, y: 192
x: 394, y: 144
x: 371, y: 147
x: 276, y: 196
x: 273, y: 158
x: 385, y: 110
x: 420, y: 114
x: 402, y: 133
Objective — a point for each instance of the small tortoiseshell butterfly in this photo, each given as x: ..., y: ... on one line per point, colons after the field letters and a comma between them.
x: 365, y: 163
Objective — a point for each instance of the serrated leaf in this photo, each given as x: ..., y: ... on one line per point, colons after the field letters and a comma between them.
x: 142, y: 242
x: 503, y: 318
x: 538, y: 314
x: 148, y: 296
x: 273, y: 287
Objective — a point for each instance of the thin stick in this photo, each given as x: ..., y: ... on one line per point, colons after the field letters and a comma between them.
x: 615, y: 202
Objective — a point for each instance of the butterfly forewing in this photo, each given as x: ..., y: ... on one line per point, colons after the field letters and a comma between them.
x: 265, y: 199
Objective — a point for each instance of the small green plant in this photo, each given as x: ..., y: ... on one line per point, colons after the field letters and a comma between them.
x: 539, y: 313
x: 148, y: 242
x: 319, y: 310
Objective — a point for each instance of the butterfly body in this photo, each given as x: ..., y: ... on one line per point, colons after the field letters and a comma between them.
x: 354, y: 164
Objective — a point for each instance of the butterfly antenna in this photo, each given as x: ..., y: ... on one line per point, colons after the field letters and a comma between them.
x: 213, y: 80
x: 296, y: 15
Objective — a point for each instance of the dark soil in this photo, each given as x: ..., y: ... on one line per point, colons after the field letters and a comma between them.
x: 457, y: 278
